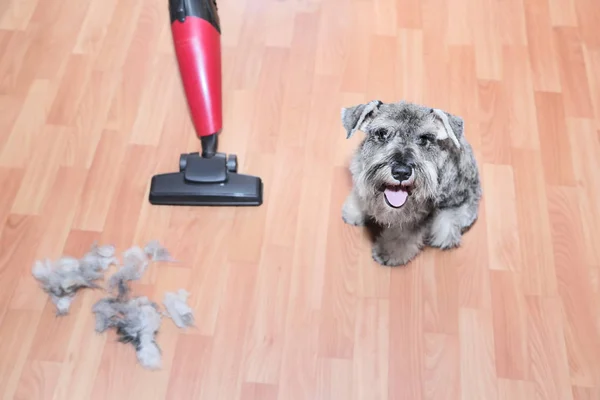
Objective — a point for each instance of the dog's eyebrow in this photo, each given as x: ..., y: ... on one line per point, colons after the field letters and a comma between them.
x: 428, y: 135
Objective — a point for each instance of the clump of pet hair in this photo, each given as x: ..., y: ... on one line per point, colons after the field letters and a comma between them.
x: 135, y: 263
x: 156, y: 252
x: 136, y: 320
x: 100, y: 257
x: 106, y: 313
x: 139, y: 327
x: 62, y: 278
x: 177, y: 309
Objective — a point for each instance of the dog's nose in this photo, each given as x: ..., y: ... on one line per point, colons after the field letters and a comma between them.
x: 401, y: 172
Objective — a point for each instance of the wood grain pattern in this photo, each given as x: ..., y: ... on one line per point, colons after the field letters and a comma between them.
x: 288, y: 302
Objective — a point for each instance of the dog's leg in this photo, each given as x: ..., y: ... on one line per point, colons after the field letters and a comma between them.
x: 352, y: 212
x: 449, y: 224
x: 397, y: 248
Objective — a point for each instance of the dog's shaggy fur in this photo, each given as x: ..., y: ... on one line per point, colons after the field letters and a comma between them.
x: 414, y: 175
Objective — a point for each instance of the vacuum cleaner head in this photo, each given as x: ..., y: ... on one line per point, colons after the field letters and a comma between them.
x: 203, y: 181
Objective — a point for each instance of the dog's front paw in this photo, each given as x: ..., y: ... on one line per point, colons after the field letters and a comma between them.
x: 447, y: 228
x: 445, y: 239
x: 394, y: 253
x: 351, y: 213
x: 447, y: 243
x: 379, y: 256
x: 382, y: 257
x: 353, y: 219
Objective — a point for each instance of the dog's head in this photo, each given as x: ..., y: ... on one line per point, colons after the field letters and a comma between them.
x: 405, y: 149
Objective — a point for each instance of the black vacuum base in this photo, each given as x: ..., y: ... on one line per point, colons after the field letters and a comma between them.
x: 210, y: 181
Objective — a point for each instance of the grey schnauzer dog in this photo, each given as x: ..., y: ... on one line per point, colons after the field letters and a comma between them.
x: 414, y: 175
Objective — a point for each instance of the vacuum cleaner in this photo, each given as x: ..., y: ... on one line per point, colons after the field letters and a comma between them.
x: 206, y: 178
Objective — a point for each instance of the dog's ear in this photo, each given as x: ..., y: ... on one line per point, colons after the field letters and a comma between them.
x: 451, y: 126
x: 354, y: 118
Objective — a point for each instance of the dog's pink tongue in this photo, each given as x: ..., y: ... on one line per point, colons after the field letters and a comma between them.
x: 396, y: 198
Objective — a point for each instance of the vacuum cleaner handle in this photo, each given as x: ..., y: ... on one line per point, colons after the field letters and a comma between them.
x: 196, y: 31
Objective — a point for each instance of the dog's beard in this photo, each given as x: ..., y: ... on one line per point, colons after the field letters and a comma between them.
x: 386, y: 197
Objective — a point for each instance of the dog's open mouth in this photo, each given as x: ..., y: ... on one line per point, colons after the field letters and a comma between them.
x: 396, y: 195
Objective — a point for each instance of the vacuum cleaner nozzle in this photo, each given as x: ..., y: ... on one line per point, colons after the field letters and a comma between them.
x: 205, y: 181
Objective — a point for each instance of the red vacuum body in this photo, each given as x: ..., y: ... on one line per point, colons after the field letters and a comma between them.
x: 208, y: 178
x: 198, y: 50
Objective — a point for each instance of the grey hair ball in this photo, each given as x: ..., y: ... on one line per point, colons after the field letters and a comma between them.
x: 136, y: 320
x: 63, y: 278
x: 157, y: 252
x: 177, y: 309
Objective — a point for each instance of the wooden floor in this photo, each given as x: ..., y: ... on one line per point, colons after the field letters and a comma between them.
x: 288, y: 303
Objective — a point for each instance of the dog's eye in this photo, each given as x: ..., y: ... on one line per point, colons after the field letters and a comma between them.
x: 426, y: 139
x: 381, y: 134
